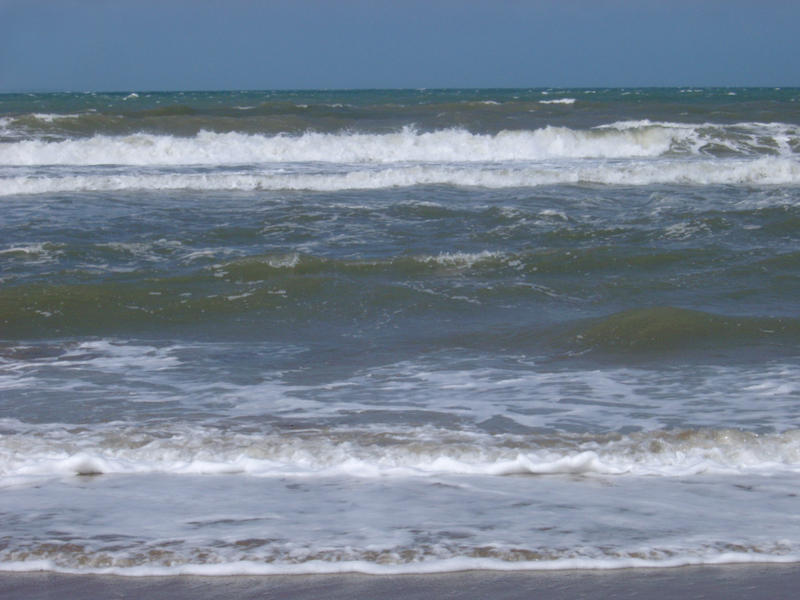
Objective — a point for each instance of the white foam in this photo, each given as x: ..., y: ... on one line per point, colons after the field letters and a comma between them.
x: 36, y: 253
x: 429, y: 566
x: 558, y: 101
x: 462, y: 259
x: 452, y: 145
x: 55, y: 452
x: 50, y: 117
x: 110, y: 356
x: 760, y: 171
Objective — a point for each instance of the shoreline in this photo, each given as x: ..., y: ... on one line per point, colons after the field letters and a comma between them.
x: 709, y: 582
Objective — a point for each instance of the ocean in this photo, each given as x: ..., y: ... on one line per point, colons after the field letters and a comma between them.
x: 399, y: 331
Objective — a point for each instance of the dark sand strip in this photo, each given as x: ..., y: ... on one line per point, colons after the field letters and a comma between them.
x: 714, y: 583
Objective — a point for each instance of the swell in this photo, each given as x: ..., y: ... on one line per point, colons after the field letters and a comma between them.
x: 87, y: 310
x: 269, y: 290
x: 667, y: 328
x: 175, y: 264
x: 274, y: 290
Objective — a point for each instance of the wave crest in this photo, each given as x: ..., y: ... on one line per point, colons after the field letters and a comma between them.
x: 616, y: 140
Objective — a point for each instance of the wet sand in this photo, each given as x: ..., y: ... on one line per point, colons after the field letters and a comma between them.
x: 717, y: 582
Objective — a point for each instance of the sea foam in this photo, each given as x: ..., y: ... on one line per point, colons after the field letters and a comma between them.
x: 431, y: 566
x: 760, y: 171
x: 36, y: 453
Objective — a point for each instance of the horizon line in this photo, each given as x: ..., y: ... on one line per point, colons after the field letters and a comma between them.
x: 385, y: 89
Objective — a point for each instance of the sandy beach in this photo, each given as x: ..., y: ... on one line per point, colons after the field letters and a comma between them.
x: 723, y: 582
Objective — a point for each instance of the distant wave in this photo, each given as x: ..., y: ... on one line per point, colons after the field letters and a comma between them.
x: 615, y: 141
x: 454, y: 145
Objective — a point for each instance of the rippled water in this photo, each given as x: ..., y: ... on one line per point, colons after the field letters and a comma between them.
x: 398, y: 331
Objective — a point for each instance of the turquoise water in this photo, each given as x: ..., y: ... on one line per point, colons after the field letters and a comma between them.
x: 399, y: 331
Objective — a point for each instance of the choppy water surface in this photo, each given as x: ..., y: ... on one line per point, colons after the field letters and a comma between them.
x: 399, y: 331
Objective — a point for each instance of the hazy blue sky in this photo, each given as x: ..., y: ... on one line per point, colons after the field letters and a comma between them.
x: 82, y: 45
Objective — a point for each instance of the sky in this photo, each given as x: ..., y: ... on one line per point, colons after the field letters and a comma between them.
x: 127, y: 45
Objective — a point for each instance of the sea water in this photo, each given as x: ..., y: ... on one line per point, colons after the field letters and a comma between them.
x: 399, y: 331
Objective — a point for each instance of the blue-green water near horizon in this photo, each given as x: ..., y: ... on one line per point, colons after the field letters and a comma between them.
x: 399, y: 330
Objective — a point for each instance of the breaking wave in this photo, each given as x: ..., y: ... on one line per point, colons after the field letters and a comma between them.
x: 405, y: 145
x: 616, y: 140
x: 761, y: 171
x: 29, y: 453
